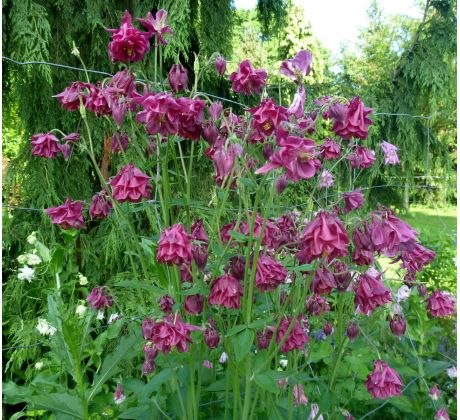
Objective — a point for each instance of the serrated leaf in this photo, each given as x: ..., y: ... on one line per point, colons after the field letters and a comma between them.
x: 111, y: 362
x: 66, y: 404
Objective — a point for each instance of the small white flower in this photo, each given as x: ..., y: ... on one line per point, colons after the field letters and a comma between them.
x: 31, y: 239
x: 22, y: 259
x: 82, y: 279
x: 452, y: 372
x: 39, y: 365
x: 113, y: 318
x: 33, y: 259
x: 288, y: 279
x: 100, y: 315
x: 44, y: 328
x: 26, y: 273
x: 283, y: 363
x: 80, y: 310
x: 403, y: 293
x: 223, y: 358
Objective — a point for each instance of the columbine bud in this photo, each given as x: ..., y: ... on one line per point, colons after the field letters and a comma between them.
x: 435, y: 393
x: 281, y: 183
x: 422, y: 290
x: 223, y: 358
x: 398, y: 325
x: 352, y: 331
x: 221, y: 65
x: 178, y: 78
x: 328, y: 328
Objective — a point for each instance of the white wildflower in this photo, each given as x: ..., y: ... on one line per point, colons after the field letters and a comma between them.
x: 80, y: 310
x: 22, y: 259
x: 283, y: 363
x: 33, y: 259
x: 100, y: 315
x: 452, y: 372
x: 39, y: 365
x: 223, y: 358
x: 44, y: 328
x: 31, y: 239
x: 26, y: 273
x: 82, y: 279
x: 403, y: 293
x: 113, y: 318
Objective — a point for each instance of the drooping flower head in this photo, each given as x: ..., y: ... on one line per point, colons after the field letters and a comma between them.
x: 440, y: 304
x: 166, y: 303
x: 119, y: 395
x: 211, y: 337
x: 353, y: 200
x: 128, y: 43
x: 190, y: 118
x: 68, y: 215
x: 323, y: 281
x: 157, y: 26
x: 383, y: 382
x: 398, y: 325
x: 221, y: 65
x: 267, y: 116
x: 370, y: 292
x: 299, y: 395
x: 341, y: 274
x: 70, y: 96
x: 435, y: 393
x: 361, y: 158
x: 193, y: 304
x: 171, y: 333
x: 120, y: 142
x: 355, y: 123
x: 175, y: 246
x: 226, y: 291
x: 263, y: 338
x: 130, y: 184
x: 416, y: 258
x: 352, y: 331
x: 296, y: 339
x: 45, y: 145
x: 178, y: 78
x: 247, y: 80
x: 297, y: 107
x: 330, y: 149
x: 298, y: 67
x: 100, y: 206
x: 224, y: 160
x: 324, y: 236
x: 269, y: 274
x: 390, y: 152
x: 442, y: 414
x: 297, y: 156
x: 98, y: 299
x: 317, y: 305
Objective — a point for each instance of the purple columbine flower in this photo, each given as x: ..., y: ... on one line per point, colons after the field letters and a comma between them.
x: 390, y: 152
x: 326, y: 179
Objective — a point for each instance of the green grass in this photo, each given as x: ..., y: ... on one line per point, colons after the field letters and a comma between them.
x: 430, y: 223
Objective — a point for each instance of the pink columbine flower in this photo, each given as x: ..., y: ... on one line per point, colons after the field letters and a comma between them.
x: 130, y: 184
x: 100, y: 206
x: 178, y: 78
x: 128, y: 43
x: 119, y: 395
x: 97, y: 100
x: 442, y: 414
x: 390, y: 152
x: 159, y: 114
x: 166, y: 303
x: 175, y: 246
x: 98, y: 299
x: 194, y: 304
x: 416, y: 258
x: 224, y: 160
x: 120, y: 142
x: 71, y: 138
x: 440, y: 304
x: 324, y: 236
x: 361, y: 158
x: 263, y: 338
x: 190, y: 118
x: 356, y: 122
x: 198, y: 232
x: 317, y: 305
x: 296, y: 339
x: 267, y: 116
x: 297, y: 107
x: 398, y: 325
x: 226, y: 291
x: 171, y: 332
x: 297, y: 156
x: 435, y: 393
x: 70, y: 96
x: 150, y: 354
x: 157, y: 26
x: 221, y: 65
x: 45, y: 145
x: 323, y: 281
x: 383, y: 382
x: 325, y: 179
x: 269, y: 274
x: 330, y: 149
x: 211, y: 337
x: 299, y: 395
x: 68, y: 215
x: 328, y: 328
x: 247, y: 80
x: 353, y: 200
x: 341, y: 274
x: 298, y: 67
x: 370, y: 293
x: 215, y: 110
